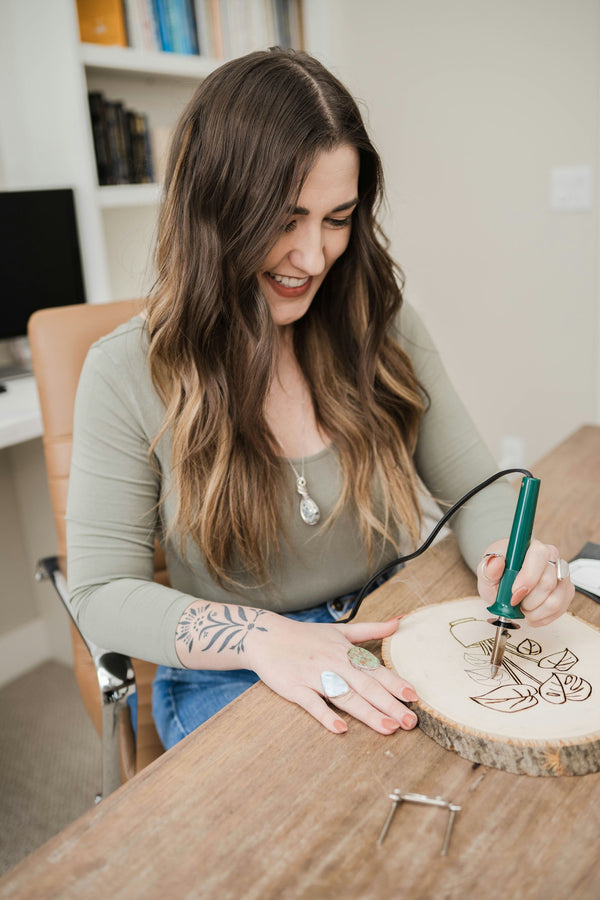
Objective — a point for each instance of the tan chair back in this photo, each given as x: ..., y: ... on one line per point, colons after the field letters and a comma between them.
x: 60, y: 339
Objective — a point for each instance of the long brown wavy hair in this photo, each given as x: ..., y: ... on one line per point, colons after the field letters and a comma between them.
x: 239, y: 157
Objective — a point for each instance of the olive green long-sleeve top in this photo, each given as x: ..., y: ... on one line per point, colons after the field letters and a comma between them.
x: 120, y: 500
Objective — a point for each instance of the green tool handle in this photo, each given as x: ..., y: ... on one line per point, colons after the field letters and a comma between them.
x: 520, y: 537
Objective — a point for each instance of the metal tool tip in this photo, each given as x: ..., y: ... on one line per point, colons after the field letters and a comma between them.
x: 494, y: 671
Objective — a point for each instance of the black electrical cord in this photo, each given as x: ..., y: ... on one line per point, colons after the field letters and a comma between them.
x: 429, y: 540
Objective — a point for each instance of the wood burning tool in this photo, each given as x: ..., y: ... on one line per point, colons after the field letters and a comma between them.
x: 373, y: 581
x: 520, y: 536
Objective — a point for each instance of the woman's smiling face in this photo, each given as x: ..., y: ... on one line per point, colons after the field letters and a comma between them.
x: 316, y: 235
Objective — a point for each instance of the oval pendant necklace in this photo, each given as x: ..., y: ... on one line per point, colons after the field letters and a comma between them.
x: 309, y: 511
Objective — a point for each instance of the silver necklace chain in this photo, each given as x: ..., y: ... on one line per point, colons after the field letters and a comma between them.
x: 309, y: 511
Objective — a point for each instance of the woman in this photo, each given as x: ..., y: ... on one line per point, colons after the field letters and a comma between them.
x: 275, y: 419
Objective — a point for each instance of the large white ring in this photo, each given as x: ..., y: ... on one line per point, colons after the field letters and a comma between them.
x: 333, y: 685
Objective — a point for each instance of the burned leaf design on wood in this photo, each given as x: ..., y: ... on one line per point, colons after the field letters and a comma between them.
x: 561, y: 661
x: 553, y: 690
x: 577, y: 688
x: 509, y: 692
x: 560, y: 688
x: 527, y: 647
x: 509, y: 698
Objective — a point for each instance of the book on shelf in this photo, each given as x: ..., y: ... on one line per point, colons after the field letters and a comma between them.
x: 100, y: 135
x: 141, y: 24
x: 102, y: 22
x: 175, y: 23
x: 121, y: 142
x: 240, y: 26
x: 219, y: 29
x: 141, y: 164
x: 204, y: 28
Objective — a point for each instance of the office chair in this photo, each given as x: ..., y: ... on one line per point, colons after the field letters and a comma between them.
x: 60, y: 339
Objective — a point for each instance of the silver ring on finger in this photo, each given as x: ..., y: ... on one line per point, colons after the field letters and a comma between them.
x: 363, y: 659
x: 562, y: 568
x: 334, y: 685
x: 484, y: 564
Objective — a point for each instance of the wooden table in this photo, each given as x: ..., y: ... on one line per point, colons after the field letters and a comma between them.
x: 261, y: 802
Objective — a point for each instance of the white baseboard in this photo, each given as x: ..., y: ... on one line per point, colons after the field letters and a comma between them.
x: 23, y: 649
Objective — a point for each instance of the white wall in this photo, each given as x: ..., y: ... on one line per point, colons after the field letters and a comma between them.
x: 17, y: 604
x: 33, y: 624
x: 471, y: 103
x: 36, y: 521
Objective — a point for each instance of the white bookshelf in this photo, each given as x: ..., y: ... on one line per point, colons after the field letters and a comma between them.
x: 120, y: 196
x: 46, y: 136
x: 126, y: 60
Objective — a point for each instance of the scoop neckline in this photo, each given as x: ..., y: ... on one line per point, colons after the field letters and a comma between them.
x: 308, y: 459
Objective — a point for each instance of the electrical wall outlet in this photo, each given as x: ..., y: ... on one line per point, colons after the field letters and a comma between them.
x: 571, y: 188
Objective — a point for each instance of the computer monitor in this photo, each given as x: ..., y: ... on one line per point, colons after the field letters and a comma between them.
x: 40, y: 262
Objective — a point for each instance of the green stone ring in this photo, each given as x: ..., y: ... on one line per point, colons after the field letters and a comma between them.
x: 362, y: 659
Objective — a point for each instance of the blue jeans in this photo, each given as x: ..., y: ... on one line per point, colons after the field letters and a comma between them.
x: 182, y: 699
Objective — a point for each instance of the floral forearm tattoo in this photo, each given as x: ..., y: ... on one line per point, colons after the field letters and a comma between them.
x: 223, y: 626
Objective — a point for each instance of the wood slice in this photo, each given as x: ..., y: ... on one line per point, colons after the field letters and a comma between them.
x: 540, y: 716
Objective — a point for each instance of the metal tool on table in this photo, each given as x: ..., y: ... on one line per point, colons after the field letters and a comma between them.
x: 398, y: 797
x: 520, y: 536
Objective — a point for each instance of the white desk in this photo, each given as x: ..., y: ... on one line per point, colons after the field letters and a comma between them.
x: 20, y: 418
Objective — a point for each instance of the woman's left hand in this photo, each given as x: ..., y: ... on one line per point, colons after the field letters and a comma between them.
x: 543, y: 597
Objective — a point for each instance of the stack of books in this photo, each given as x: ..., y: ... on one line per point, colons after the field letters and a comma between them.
x: 121, y: 142
x: 213, y: 28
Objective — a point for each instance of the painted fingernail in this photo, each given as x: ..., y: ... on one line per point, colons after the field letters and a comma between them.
x: 339, y: 726
x: 409, y: 720
x: 519, y: 594
x: 487, y: 559
x: 390, y: 724
x: 409, y: 694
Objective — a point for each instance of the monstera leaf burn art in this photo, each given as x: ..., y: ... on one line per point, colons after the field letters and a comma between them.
x: 518, y: 685
x: 560, y: 688
x: 540, y: 715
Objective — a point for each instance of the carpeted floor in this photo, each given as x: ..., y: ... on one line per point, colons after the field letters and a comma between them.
x: 49, y: 759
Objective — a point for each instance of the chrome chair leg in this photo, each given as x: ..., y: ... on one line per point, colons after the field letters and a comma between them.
x: 116, y: 680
